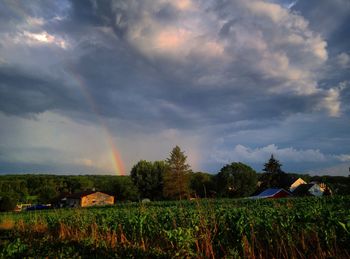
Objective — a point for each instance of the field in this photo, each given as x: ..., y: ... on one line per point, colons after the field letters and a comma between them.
x: 285, y: 228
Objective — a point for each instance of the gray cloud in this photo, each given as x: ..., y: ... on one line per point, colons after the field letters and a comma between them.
x: 22, y: 93
x: 196, y: 67
x: 327, y: 17
x: 235, y: 74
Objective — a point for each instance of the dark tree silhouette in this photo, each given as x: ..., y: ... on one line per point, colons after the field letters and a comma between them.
x: 272, y: 166
x: 273, y: 176
x: 236, y: 180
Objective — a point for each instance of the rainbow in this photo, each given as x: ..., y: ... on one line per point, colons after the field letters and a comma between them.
x: 115, y: 154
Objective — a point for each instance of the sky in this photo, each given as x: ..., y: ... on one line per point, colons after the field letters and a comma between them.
x: 91, y: 86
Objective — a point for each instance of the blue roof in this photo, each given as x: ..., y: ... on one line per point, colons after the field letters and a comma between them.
x: 270, y: 192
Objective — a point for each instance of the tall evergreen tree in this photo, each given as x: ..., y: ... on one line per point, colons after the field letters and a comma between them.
x: 272, y: 166
x: 273, y: 176
x: 176, y: 179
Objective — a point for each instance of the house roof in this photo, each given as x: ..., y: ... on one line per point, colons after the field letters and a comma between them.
x: 288, y: 180
x: 303, y: 189
x: 270, y: 193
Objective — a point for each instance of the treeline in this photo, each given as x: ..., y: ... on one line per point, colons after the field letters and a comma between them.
x: 33, y: 188
x: 158, y: 180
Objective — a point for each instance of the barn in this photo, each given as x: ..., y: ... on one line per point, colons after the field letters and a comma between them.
x: 86, y: 199
x: 272, y: 193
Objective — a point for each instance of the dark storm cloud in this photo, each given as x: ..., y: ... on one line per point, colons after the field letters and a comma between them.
x: 214, y: 67
x: 331, y: 18
x: 45, y: 168
x: 22, y: 93
x: 39, y: 160
x: 124, y: 83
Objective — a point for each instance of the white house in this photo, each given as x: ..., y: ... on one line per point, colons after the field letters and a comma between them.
x: 311, y: 189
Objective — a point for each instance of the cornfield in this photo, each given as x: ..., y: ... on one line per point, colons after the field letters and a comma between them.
x: 226, y: 228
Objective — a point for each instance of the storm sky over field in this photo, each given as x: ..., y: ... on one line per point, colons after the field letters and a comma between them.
x: 95, y: 86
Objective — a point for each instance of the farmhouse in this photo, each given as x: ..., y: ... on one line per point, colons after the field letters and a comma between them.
x: 290, y: 182
x: 272, y: 193
x: 311, y: 189
x: 323, y: 187
x: 85, y: 199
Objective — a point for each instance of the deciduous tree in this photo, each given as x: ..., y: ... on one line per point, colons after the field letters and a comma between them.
x: 203, y: 185
x: 236, y: 180
x: 148, y: 177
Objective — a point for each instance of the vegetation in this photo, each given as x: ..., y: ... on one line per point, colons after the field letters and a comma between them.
x: 7, y: 204
x: 273, y: 175
x: 235, y: 228
x: 148, y: 178
x: 215, y: 228
x: 44, y: 188
x: 236, y: 180
x: 160, y: 180
x: 273, y: 166
x: 203, y: 185
x: 177, y: 178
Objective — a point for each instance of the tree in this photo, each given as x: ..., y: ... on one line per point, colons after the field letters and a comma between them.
x: 7, y: 203
x: 202, y: 184
x: 273, y: 166
x: 124, y: 189
x: 236, y: 180
x: 176, y: 178
x: 47, y: 193
x: 148, y: 178
x: 273, y: 176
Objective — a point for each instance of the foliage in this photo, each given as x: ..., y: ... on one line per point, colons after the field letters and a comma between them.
x: 7, y: 203
x: 273, y: 166
x: 203, y: 185
x: 148, y: 177
x: 236, y: 180
x: 221, y: 228
x: 338, y: 184
x: 273, y: 176
x: 123, y: 189
x: 176, y: 178
x: 43, y: 188
x: 47, y: 193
